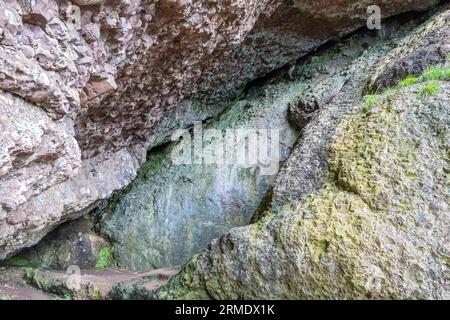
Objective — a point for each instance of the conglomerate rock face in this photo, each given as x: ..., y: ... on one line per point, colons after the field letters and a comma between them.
x: 94, y: 79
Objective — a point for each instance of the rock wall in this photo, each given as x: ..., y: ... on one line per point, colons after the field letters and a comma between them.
x: 185, y: 196
x: 368, y: 218
x: 306, y: 170
x: 359, y: 209
x: 107, y: 73
x: 72, y: 244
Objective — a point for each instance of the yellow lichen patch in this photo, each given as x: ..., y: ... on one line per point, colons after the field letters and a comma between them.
x: 374, y: 230
x: 375, y: 154
x: 336, y: 230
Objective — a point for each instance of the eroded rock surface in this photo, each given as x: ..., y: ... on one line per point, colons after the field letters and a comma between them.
x: 173, y: 210
x: 185, y: 196
x: 378, y: 230
x: 107, y: 73
x: 306, y: 169
x: 374, y: 221
x: 36, y: 153
x: 72, y: 244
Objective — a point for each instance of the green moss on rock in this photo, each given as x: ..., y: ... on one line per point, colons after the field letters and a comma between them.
x: 172, y: 211
x: 373, y: 231
x: 106, y: 258
x: 48, y: 284
x: 17, y: 262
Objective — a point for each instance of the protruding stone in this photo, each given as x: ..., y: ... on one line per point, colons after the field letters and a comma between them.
x: 38, y: 12
x: 9, y: 20
x: 99, y: 86
x: 91, y: 32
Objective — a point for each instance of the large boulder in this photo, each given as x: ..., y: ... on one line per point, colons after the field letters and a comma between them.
x: 373, y: 222
x: 110, y: 72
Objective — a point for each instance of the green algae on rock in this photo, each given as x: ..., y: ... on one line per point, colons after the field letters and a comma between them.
x: 106, y: 258
x: 408, y: 51
x: 73, y: 243
x: 173, y: 210
x: 375, y: 230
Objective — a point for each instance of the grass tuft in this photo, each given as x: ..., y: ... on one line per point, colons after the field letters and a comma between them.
x: 106, y: 258
x: 409, y: 81
x: 370, y: 102
x: 436, y: 73
x: 429, y: 89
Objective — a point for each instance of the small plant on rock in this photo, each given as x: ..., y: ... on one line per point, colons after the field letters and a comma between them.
x: 436, y: 73
x: 429, y: 89
x: 106, y: 258
x: 409, y: 81
x: 369, y: 103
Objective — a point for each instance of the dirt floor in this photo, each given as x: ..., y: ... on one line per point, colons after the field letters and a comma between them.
x: 14, y: 285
